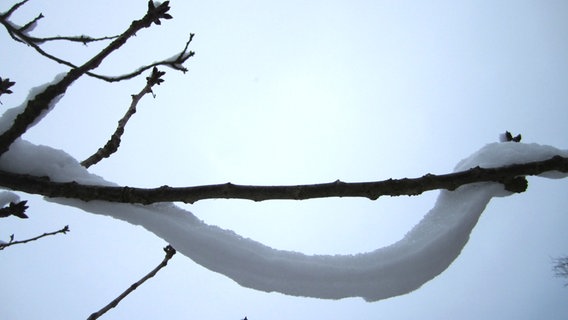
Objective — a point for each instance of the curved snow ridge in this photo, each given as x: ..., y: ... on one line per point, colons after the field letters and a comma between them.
x: 423, y: 253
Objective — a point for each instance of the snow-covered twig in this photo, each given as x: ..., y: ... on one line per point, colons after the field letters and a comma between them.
x: 175, y: 63
x: 170, y: 252
x: 63, y: 230
x: 13, y: 9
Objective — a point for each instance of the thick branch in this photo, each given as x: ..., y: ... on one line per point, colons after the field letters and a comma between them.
x: 508, y: 175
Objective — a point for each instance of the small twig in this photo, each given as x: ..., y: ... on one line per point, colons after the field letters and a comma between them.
x: 13, y: 8
x: 176, y: 64
x: 64, y: 230
x: 113, y: 143
x: 170, y: 252
x: 82, y: 39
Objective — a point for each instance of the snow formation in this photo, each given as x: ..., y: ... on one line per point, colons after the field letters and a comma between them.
x: 7, y: 118
x: 423, y: 253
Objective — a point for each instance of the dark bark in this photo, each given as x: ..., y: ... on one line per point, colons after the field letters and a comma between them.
x: 63, y: 230
x: 511, y: 176
x: 170, y: 252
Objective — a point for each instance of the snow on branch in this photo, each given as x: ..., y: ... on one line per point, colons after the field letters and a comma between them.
x: 153, y: 15
x: 176, y: 62
x: 497, y: 169
x: 507, y: 175
x: 422, y: 254
x: 45, y: 99
x: 15, y: 7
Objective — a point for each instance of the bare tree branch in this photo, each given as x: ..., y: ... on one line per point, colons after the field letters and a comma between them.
x: 113, y: 143
x: 511, y: 176
x: 176, y: 64
x: 170, y: 252
x: 63, y: 230
x: 19, y: 34
x: 42, y: 101
x: 15, y: 7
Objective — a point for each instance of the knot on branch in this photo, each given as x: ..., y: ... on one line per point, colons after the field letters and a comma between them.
x: 516, y: 184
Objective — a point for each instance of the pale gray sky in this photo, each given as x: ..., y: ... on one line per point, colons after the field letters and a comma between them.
x: 290, y: 92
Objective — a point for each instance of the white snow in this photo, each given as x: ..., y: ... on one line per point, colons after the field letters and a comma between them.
x: 8, y: 117
x: 423, y: 253
x: 6, y: 197
x: 30, y: 28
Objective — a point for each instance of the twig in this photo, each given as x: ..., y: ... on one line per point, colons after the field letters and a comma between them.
x: 113, y: 143
x: 13, y: 8
x: 510, y: 176
x: 176, y: 64
x: 64, y: 230
x: 170, y: 252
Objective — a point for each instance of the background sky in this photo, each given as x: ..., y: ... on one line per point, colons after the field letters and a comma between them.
x: 292, y: 92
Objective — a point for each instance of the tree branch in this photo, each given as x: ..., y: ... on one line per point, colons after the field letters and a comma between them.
x: 153, y: 15
x: 176, y: 64
x: 113, y: 143
x: 63, y: 230
x: 42, y: 101
x: 170, y: 252
x: 508, y: 175
x: 13, y: 8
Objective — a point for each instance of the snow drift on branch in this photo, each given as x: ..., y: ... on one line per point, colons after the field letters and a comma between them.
x: 423, y: 253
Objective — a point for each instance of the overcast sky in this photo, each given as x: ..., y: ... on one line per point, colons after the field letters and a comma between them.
x: 285, y: 93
